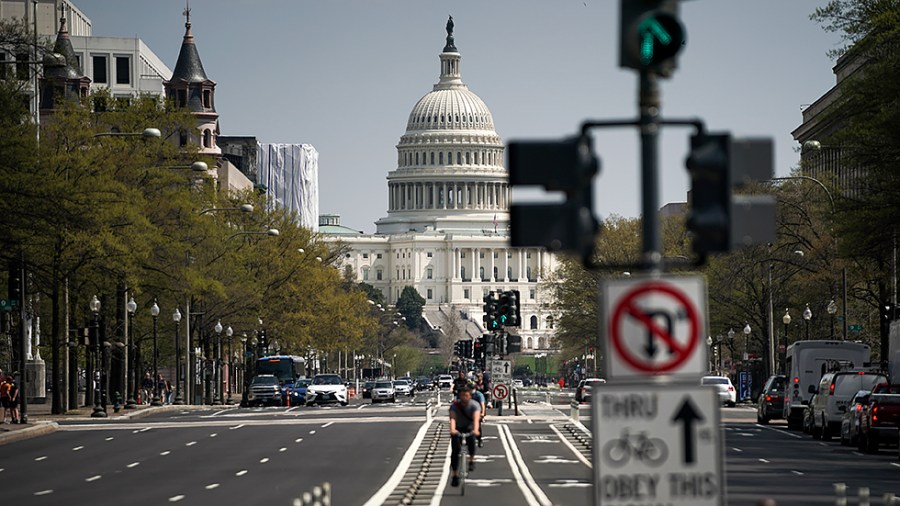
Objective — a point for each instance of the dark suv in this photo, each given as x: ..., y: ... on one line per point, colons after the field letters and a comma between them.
x: 770, y: 405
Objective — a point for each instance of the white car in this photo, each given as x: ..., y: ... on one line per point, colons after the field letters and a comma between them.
x: 383, y: 391
x: 518, y: 384
x: 724, y: 387
x: 326, y: 388
x: 403, y: 387
x: 834, y: 393
x: 445, y: 381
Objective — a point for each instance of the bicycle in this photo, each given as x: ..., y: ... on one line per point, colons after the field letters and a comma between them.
x: 463, y: 460
x: 650, y: 450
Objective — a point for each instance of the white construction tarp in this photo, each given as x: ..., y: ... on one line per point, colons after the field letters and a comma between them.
x: 291, y: 174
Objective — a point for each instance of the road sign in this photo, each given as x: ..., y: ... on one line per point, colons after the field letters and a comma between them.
x: 654, y: 326
x: 501, y: 392
x: 659, y: 444
x: 501, y: 372
x: 8, y: 304
x: 855, y: 328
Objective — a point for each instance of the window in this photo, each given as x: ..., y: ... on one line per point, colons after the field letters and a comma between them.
x: 462, y: 254
x: 417, y: 158
x: 458, y: 158
x: 365, y: 255
x: 534, y: 323
x: 432, y: 158
x: 22, y: 70
x: 509, y: 273
x: 429, y: 274
x: 207, y: 142
x: 347, y: 255
x: 181, y: 100
x: 378, y: 275
x: 528, y: 255
x: 528, y: 273
x: 429, y: 294
x: 429, y: 254
x: 462, y: 272
x: 123, y: 70
x: 207, y: 99
x: 466, y: 293
x: 481, y: 273
x: 378, y: 255
x: 531, y: 294
x: 496, y: 255
x: 481, y: 254
x: 495, y: 272
x: 365, y: 274
x: 182, y: 138
x: 441, y: 158
x: 100, y: 71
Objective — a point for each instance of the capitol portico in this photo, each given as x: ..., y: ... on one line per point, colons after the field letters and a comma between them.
x: 446, y: 229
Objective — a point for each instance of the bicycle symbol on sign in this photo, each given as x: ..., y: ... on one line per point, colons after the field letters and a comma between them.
x: 649, y: 450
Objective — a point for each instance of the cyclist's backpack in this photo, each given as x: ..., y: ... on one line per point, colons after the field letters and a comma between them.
x: 4, y: 390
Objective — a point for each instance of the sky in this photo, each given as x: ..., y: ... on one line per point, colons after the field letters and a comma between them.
x: 343, y: 75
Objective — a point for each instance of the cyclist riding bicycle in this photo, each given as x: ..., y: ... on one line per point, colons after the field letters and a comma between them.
x: 465, y: 418
x: 478, y: 397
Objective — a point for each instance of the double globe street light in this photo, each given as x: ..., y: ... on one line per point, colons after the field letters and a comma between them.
x: 99, y: 392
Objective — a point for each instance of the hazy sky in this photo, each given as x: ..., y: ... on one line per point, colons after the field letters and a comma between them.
x: 343, y: 75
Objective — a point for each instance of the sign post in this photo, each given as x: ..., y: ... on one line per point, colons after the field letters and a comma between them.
x: 657, y: 444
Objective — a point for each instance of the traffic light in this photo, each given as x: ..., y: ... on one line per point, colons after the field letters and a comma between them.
x: 488, y: 345
x: 491, y: 312
x: 14, y: 284
x: 478, y: 350
x: 567, y: 166
x: 513, y: 344
x: 501, y: 345
x: 509, y: 308
x: 650, y: 35
x: 709, y: 219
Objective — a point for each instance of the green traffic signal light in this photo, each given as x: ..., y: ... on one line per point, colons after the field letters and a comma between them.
x: 651, y: 35
x: 661, y: 37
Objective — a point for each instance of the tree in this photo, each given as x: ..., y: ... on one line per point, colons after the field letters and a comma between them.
x: 410, y: 305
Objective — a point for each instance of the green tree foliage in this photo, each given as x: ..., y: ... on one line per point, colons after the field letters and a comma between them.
x: 410, y: 305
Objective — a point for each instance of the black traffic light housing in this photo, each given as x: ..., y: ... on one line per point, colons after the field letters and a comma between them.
x: 709, y: 218
x: 489, y: 342
x: 513, y: 344
x: 14, y: 281
x: 509, y: 309
x: 650, y: 35
x: 491, y: 310
x: 566, y: 166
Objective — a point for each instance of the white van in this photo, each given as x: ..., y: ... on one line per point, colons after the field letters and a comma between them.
x: 834, y: 393
x: 807, y: 362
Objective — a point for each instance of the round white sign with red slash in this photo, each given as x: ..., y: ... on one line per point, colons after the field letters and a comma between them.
x: 655, y: 327
x: 501, y: 392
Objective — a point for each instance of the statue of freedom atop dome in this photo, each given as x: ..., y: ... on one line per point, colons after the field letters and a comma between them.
x: 450, y: 47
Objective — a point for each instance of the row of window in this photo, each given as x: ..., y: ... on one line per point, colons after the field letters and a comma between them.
x: 485, y: 157
x: 444, y: 118
x: 99, y: 62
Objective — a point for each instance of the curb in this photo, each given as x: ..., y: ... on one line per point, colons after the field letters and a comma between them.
x: 39, y: 429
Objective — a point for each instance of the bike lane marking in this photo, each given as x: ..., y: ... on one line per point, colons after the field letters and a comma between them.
x: 534, y: 496
x: 561, y: 477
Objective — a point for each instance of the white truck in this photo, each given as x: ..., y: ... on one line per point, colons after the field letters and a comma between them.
x: 807, y: 362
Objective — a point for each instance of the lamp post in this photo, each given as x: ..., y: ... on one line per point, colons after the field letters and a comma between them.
x: 807, y: 315
x: 176, y: 317
x: 154, y: 312
x: 99, y: 411
x: 831, y: 309
x: 786, y: 319
x: 229, y: 333
x: 217, y: 377
x: 131, y: 403
x: 246, y: 343
x: 709, y: 350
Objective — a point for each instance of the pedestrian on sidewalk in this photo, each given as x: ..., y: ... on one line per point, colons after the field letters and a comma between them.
x: 13, y: 390
x: 146, y: 389
x: 5, y: 402
x: 161, y: 385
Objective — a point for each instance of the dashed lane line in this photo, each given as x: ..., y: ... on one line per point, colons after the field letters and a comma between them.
x: 798, y: 473
x: 93, y: 478
x: 110, y: 438
x: 236, y: 427
x: 44, y: 492
x: 329, y: 424
x: 312, y: 432
x: 263, y: 460
x: 133, y: 464
x: 298, y: 440
x: 38, y: 459
x: 737, y: 450
x: 283, y: 449
x: 764, y: 461
x: 176, y: 498
x: 212, y: 486
x: 190, y: 443
x: 165, y: 453
x: 213, y: 434
x: 241, y: 472
x: 780, y: 431
x: 77, y: 448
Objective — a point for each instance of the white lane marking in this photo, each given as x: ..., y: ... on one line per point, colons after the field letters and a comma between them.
x: 165, y: 453
x: 73, y: 449
x: 312, y: 432
x: 569, y: 484
x: 236, y: 427
x: 858, y: 454
x: 529, y: 420
x: 213, y: 434
x: 527, y: 493
x: 361, y: 406
x: 780, y: 431
x: 217, y: 413
x: 145, y: 429
x: 192, y: 443
x: 92, y: 478
x: 110, y: 438
x: 577, y: 453
x: 895, y: 464
x: 329, y: 424
x: 241, y: 472
x: 44, y: 492
x: 737, y: 450
x: 133, y: 464
x: 382, y: 494
x: 298, y: 440
x: 764, y: 461
x: 263, y: 460
x: 290, y: 409
x: 445, y: 476
x: 798, y: 473
x: 38, y: 459
x: 554, y: 459
x: 282, y: 449
x: 212, y: 486
x: 491, y: 482
x: 176, y: 498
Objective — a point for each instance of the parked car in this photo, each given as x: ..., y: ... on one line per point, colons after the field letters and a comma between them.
x: 404, y: 387
x: 850, y: 419
x: 367, y: 389
x: 326, y: 388
x: 445, y: 381
x: 517, y: 383
x: 297, y: 391
x: 264, y: 389
x: 880, y: 419
x: 835, y: 390
x: 723, y: 385
x: 423, y: 383
x: 770, y: 404
x: 583, y: 391
x: 383, y: 391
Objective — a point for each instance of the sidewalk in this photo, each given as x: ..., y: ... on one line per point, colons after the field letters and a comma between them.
x: 41, y: 421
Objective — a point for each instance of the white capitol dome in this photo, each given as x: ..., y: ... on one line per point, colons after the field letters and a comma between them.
x: 450, y: 173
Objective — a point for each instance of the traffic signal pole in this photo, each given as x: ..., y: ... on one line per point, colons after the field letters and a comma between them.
x: 649, y: 105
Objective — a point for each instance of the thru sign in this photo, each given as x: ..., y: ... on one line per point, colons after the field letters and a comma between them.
x: 654, y: 326
x: 501, y: 372
x: 657, y: 444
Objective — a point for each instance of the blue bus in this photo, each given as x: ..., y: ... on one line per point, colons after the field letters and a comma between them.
x: 286, y: 368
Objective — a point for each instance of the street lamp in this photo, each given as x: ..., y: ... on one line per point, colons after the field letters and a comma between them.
x: 131, y: 403
x: 154, y: 312
x: 176, y: 317
x: 147, y: 133
x: 246, y: 383
x: 709, y: 348
x: 244, y: 208
x: 99, y: 406
x: 747, y: 331
x: 229, y: 333
x: 786, y: 319
x: 217, y: 393
x: 831, y: 309
x: 807, y: 315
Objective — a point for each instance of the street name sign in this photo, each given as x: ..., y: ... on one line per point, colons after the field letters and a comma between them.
x: 501, y: 372
x: 654, y: 326
x: 657, y: 444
